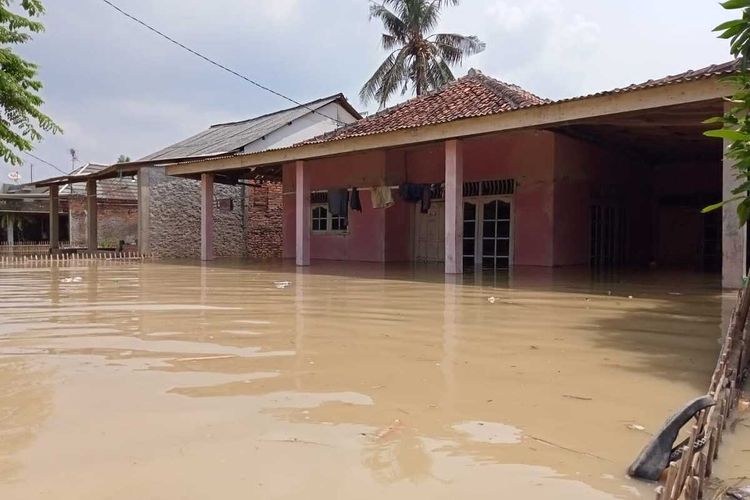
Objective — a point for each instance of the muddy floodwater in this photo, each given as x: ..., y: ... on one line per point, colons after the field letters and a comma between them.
x: 239, y: 381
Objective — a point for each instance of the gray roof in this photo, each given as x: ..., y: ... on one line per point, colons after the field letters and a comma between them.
x: 232, y: 137
x: 124, y: 188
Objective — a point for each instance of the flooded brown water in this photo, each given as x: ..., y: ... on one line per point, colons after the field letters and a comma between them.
x: 232, y: 381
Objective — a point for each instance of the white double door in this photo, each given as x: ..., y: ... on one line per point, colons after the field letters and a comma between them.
x: 487, y: 228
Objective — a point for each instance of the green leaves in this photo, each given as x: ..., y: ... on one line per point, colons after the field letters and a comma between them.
x: 736, y: 4
x: 416, y: 59
x: 21, y: 121
x: 731, y: 135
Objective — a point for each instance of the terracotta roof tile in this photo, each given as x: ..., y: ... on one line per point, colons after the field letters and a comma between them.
x: 478, y: 95
x: 468, y: 97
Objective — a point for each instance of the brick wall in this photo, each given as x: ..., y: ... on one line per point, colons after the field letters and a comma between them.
x: 116, y: 220
x: 265, y: 213
x: 173, y: 206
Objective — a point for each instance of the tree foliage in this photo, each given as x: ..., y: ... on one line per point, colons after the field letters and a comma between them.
x: 736, y: 120
x: 21, y: 121
x: 417, y: 58
x: 123, y: 159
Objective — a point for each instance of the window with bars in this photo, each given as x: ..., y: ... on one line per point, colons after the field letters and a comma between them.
x: 323, y: 221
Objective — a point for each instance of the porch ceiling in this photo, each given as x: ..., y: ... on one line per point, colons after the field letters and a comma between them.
x: 673, y: 133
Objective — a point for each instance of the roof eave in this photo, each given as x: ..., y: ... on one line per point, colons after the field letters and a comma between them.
x: 546, y: 114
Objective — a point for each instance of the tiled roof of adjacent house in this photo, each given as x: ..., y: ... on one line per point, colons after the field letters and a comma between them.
x: 468, y: 97
x: 478, y: 95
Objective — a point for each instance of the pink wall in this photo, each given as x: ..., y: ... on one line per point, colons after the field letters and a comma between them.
x: 558, y: 179
x: 386, y: 235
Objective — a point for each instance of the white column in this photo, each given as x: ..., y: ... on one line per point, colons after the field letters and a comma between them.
x: 303, y: 217
x: 454, y: 207
x: 92, y: 233
x: 733, y: 239
x: 10, y: 227
x: 207, y: 216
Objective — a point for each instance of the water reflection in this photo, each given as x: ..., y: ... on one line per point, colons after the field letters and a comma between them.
x: 388, y: 375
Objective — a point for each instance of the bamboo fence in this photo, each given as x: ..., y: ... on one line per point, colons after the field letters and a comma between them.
x: 72, y: 257
x: 29, y: 248
x: 686, y: 478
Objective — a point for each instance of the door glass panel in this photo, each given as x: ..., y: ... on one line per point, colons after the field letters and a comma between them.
x: 488, y: 247
x: 503, y: 247
x: 503, y: 229
x: 490, y: 210
x: 503, y: 211
x: 470, y: 233
x: 489, y: 229
x: 496, y: 235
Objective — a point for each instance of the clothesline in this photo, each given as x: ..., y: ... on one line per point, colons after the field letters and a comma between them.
x: 358, y: 189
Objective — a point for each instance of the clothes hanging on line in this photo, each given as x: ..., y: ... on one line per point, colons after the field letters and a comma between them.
x: 338, y: 202
x: 381, y: 197
x: 354, y: 201
x: 417, y: 193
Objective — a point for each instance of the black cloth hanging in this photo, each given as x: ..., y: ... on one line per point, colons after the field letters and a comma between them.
x: 354, y: 202
x: 338, y: 202
x: 416, y: 193
x: 426, y: 200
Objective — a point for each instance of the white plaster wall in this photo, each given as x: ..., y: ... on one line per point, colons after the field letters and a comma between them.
x: 306, y: 127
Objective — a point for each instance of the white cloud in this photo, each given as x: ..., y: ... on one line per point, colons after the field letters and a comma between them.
x: 116, y: 88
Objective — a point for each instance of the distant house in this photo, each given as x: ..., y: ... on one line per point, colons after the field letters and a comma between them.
x: 117, y: 207
x: 25, y: 209
x: 248, y: 215
x: 24, y: 215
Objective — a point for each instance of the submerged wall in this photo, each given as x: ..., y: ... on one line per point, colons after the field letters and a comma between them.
x: 382, y: 235
x: 558, y: 180
x: 116, y: 220
x: 170, y: 218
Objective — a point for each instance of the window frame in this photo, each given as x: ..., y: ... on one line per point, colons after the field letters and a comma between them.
x: 329, y: 220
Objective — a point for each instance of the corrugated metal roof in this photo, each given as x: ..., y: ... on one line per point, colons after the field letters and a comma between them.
x: 232, y: 137
x: 123, y: 188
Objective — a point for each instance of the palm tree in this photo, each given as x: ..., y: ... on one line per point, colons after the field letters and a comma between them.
x: 417, y: 57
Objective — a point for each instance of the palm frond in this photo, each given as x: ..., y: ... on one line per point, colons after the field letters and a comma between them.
x: 390, y: 42
x: 392, y: 23
x: 386, y: 79
x: 454, y: 47
x: 438, y: 74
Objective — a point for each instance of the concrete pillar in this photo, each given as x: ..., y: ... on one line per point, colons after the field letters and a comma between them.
x: 303, y: 216
x: 144, y: 210
x: 92, y: 219
x: 10, y: 228
x: 54, y: 218
x: 454, y: 207
x: 207, y: 216
x: 734, y: 237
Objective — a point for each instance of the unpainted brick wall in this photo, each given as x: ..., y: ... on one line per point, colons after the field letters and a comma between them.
x: 116, y: 220
x: 264, y: 222
x: 174, y: 219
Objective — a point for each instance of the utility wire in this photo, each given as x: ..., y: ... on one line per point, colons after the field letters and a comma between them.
x: 217, y: 64
x: 45, y: 162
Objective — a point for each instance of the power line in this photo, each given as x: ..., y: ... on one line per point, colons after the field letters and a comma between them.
x: 217, y: 64
x: 45, y: 162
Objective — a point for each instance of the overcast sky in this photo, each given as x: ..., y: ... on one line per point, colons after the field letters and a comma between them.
x: 116, y: 88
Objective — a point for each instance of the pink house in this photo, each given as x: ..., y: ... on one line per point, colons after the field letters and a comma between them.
x: 616, y: 178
